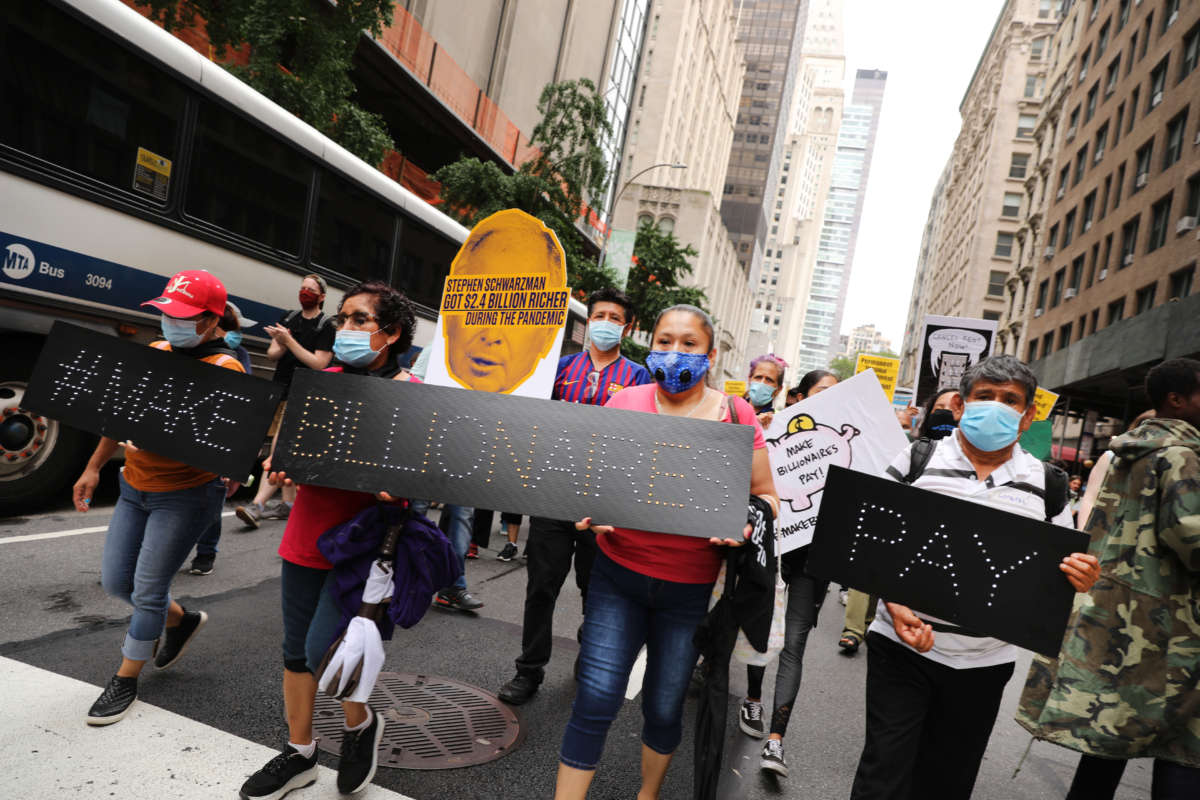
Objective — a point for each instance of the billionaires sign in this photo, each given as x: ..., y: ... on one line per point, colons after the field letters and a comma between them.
x: 207, y: 417
x: 537, y: 457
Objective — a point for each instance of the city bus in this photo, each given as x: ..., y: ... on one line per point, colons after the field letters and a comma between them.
x: 126, y: 156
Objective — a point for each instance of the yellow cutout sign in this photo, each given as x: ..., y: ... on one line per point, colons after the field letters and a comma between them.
x: 887, y: 370
x: 735, y: 388
x: 1044, y: 401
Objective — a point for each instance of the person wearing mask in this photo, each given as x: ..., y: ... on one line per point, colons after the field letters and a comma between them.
x: 1132, y: 647
x: 938, y: 421
x: 162, y: 509
x: 932, y: 698
x: 375, y: 326
x: 765, y: 381
x: 650, y: 588
x: 804, y: 595
x: 302, y: 339
x: 593, y: 377
x: 230, y: 333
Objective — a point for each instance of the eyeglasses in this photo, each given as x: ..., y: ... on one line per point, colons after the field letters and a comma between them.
x: 359, y: 317
x: 593, y: 385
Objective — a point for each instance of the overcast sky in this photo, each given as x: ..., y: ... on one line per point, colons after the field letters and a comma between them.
x: 929, y: 49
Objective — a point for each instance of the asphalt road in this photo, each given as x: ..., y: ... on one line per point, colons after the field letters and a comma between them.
x: 54, y: 615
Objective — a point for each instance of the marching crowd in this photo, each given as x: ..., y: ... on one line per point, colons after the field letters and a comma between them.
x: 1125, y: 685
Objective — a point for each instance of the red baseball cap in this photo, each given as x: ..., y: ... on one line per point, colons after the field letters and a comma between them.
x: 190, y: 293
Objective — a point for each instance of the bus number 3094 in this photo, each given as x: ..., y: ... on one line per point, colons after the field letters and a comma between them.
x: 99, y: 281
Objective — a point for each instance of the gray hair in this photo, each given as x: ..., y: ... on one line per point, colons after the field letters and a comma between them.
x: 999, y: 369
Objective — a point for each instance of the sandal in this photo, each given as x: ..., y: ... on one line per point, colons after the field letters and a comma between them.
x: 849, y: 643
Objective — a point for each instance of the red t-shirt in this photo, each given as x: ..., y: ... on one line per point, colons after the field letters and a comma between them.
x: 668, y: 556
x: 316, y: 510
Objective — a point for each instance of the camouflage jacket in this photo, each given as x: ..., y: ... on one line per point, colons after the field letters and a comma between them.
x: 1127, y: 681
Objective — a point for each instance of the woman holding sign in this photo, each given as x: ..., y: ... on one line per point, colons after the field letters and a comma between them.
x: 650, y: 588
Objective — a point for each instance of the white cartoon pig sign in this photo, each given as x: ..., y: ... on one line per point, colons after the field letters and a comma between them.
x: 809, y: 449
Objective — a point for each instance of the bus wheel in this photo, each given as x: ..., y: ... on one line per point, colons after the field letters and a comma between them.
x: 39, y: 457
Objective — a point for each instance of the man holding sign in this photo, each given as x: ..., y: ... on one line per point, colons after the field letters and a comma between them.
x: 933, y: 689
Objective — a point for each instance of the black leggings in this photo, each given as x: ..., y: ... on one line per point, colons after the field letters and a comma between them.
x: 1097, y: 779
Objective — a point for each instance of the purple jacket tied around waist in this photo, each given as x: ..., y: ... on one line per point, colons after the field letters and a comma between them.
x: 424, y: 563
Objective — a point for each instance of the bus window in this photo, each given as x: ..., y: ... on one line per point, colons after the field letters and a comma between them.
x: 423, y: 263
x: 81, y: 102
x: 246, y: 181
x: 353, y: 232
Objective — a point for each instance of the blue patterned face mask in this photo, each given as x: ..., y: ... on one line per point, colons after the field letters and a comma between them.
x: 677, y: 372
x: 760, y: 394
x: 990, y: 425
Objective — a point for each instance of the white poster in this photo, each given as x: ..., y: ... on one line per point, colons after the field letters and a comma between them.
x: 948, y: 346
x: 851, y: 425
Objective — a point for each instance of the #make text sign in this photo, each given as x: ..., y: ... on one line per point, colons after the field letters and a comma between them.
x: 526, y: 455
x: 203, y: 415
x: 993, y: 572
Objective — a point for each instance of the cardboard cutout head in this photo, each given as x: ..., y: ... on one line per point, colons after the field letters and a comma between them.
x: 499, y: 358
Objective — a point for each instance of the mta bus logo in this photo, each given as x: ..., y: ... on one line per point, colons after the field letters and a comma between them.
x: 18, y: 261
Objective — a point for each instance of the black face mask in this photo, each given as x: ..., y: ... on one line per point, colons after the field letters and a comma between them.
x: 941, y: 423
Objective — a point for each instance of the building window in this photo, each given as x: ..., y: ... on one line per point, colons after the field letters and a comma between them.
x: 1038, y: 49
x: 1004, y: 244
x: 1025, y: 123
x: 1044, y: 8
x: 1192, y: 208
x: 1060, y: 280
x: 1120, y: 182
x: 1158, y: 82
x: 1133, y: 40
x: 1047, y: 344
x: 1084, y: 60
x: 1116, y: 311
x: 1142, y: 174
x: 1191, y: 52
x: 1064, y: 336
x: 1043, y: 290
x: 1068, y: 229
x: 1102, y: 40
x: 996, y: 283
x: 1101, y: 141
x: 1104, y: 198
x: 1089, y: 210
x: 1031, y: 85
x: 1052, y: 237
x: 1114, y: 73
x: 1145, y: 298
x: 1146, y: 35
x: 1175, y: 130
x: 1032, y: 351
x: 1073, y: 123
x: 1160, y: 218
x: 1095, y: 263
x: 1108, y: 248
x: 1064, y: 177
x: 1020, y: 162
x: 1090, y: 110
x: 1181, y: 283
x: 1170, y: 13
x: 1095, y: 319
x: 1012, y: 205
x: 1076, y: 274
x: 1129, y: 232
x: 1123, y: 14
x: 1117, y: 126
x: 1080, y: 164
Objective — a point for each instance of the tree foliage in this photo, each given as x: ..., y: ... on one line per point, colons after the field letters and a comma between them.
x: 655, y: 281
x: 842, y: 367
x: 300, y: 55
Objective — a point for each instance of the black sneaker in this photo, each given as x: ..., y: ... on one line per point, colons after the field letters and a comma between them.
x: 359, y: 758
x: 751, y: 720
x: 458, y: 600
x: 508, y: 553
x: 519, y: 690
x: 175, y: 640
x: 286, y: 771
x: 114, y: 702
x: 202, y: 564
x: 772, y: 758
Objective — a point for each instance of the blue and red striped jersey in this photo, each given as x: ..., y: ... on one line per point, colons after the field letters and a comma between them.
x: 578, y: 381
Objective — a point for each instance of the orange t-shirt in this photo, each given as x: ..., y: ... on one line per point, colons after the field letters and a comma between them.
x: 149, y: 472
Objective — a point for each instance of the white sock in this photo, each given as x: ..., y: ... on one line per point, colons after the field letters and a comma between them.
x: 305, y: 750
x: 362, y: 725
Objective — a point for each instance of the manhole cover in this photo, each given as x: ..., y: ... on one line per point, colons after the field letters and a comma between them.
x: 432, y: 723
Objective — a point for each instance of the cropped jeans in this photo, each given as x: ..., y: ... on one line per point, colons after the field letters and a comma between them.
x: 625, y: 610
x: 149, y: 537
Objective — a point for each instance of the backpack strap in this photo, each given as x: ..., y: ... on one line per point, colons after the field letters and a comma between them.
x: 733, y: 415
x: 291, y: 315
x: 1055, y: 490
x: 919, y: 455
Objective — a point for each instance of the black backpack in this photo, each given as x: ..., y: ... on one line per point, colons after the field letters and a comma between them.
x: 1055, y: 497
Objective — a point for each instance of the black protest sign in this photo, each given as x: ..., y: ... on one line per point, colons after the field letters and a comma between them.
x: 179, y: 407
x: 993, y: 572
x: 540, y: 457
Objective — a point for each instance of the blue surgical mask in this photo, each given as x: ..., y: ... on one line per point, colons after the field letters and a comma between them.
x: 234, y: 339
x: 760, y: 394
x: 353, y: 348
x: 181, y: 333
x: 605, y: 335
x: 990, y: 425
x: 677, y: 372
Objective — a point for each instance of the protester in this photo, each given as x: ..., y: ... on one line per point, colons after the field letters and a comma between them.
x: 649, y: 588
x: 804, y: 596
x: 939, y: 418
x: 1124, y: 685
x: 482, y: 532
x: 230, y: 333
x: 163, y: 507
x: 593, y: 377
x: 932, y: 701
x: 763, y: 385
x: 303, y: 339
x: 374, y: 328
x: 1096, y: 476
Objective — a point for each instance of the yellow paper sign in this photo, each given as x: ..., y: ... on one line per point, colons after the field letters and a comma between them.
x: 735, y: 388
x: 887, y: 370
x: 1044, y: 400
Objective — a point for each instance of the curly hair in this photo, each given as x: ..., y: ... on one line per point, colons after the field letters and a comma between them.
x: 392, y: 309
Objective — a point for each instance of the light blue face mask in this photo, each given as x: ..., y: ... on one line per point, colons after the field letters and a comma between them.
x: 234, y: 339
x: 353, y: 348
x: 604, y: 334
x: 180, y: 333
x: 760, y: 394
x: 990, y: 425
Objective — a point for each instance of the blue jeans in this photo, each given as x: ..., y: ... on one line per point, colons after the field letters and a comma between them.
x: 207, y: 543
x: 310, y: 616
x: 458, y: 531
x: 625, y: 610
x: 149, y: 537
